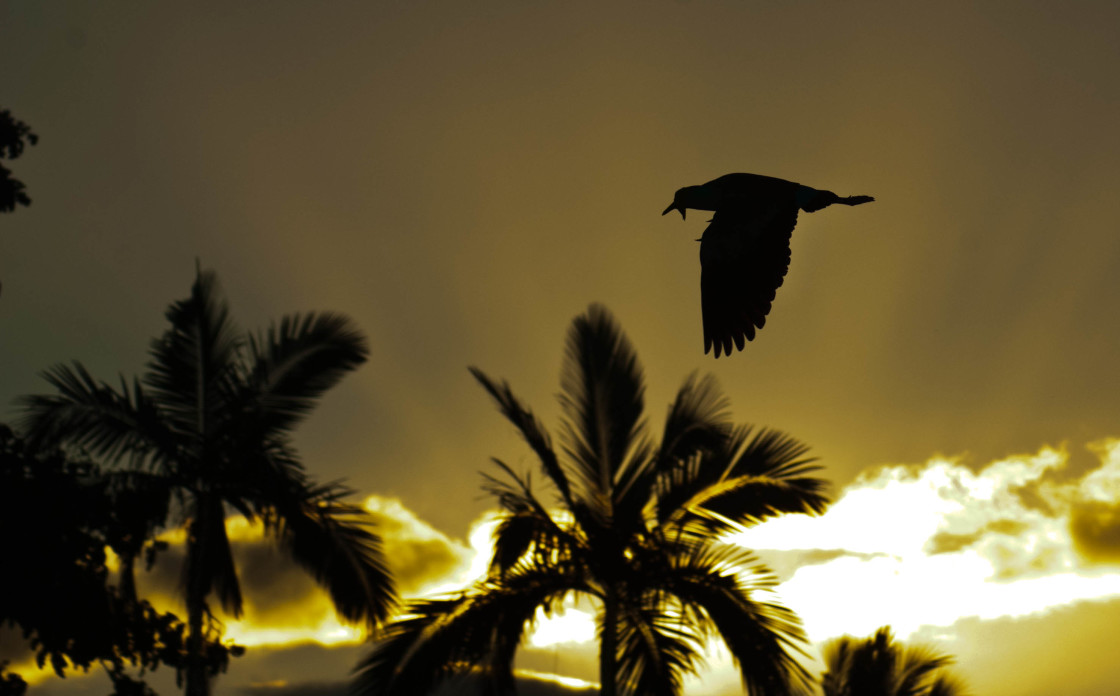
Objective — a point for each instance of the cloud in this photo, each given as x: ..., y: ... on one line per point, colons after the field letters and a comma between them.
x: 947, y: 542
x: 528, y: 684
x: 281, y: 687
x: 1095, y: 508
x: 1068, y: 650
x: 928, y: 545
x: 1095, y: 529
x: 937, y: 550
x: 283, y: 604
x: 420, y: 556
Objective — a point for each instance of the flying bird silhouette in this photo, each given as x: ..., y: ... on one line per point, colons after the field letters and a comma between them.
x: 744, y: 252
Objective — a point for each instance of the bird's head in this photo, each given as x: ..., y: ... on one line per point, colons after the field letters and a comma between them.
x: 681, y: 200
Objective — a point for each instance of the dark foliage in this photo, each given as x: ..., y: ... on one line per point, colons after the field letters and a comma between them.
x: 14, y: 136
x: 880, y: 666
x: 57, y: 517
x: 208, y: 427
x: 630, y: 523
x: 11, y: 684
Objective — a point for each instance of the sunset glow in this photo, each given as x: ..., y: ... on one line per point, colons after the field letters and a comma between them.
x: 928, y: 546
x: 569, y: 626
x: 328, y: 632
x: 570, y: 682
x: 452, y: 184
x: 910, y: 546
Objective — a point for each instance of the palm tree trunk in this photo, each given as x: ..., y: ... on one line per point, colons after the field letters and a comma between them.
x: 127, y: 578
x: 198, y: 681
x: 608, y: 644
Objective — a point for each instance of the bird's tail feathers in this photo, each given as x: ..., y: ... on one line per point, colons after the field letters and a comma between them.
x: 822, y: 199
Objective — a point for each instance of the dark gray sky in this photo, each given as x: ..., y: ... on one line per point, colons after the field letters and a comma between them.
x: 463, y: 180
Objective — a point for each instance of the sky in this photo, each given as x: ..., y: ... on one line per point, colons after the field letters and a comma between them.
x: 463, y: 180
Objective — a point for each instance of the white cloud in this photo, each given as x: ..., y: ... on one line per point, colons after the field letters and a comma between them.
x: 1103, y: 484
x: 927, y: 546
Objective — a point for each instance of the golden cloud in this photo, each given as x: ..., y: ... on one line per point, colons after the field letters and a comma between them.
x: 927, y: 545
x: 420, y: 556
x: 282, y: 603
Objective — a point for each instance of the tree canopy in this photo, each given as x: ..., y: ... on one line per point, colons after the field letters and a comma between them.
x: 58, y: 517
x: 631, y: 523
x: 210, y: 424
x: 881, y: 666
x: 14, y: 136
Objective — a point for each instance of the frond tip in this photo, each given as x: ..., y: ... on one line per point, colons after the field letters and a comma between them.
x: 334, y: 541
x: 602, y: 398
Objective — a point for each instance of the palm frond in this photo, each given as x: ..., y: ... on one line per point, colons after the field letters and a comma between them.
x: 772, y: 453
x: 528, y: 527
x: 514, y: 495
x: 915, y: 667
x: 476, y: 632
x: 701, y: 555
x: 602, y: 399
x: 697, y: 420
x: 745, y: 482
x: 948, y: 685
x: 837, y: 656
x: 409, y: 656
x: 680, y: 487
x: 763, y: 638
x: 747, y: 500
x: 334, y: 542
x: 872, y: 664
x: 879, y: 666
x: 633, y: 489
x: 94, y: 415
x: 530, y: 428
x: 514, y: 536
x: 295, y: 361
x: 528, y: 535
x: 192, y: 369
x: 655, y: 649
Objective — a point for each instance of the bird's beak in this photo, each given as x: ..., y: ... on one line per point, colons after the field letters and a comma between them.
x: 674, y: 207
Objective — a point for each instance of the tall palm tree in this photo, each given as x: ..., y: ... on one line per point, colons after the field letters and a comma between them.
x: 633, y: 525
x: 212, y: 418
x: 879, y: 666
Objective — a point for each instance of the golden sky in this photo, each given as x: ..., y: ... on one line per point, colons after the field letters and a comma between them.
x: 463, y: 179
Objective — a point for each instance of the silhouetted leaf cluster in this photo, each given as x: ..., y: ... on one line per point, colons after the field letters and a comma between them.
x: 207, y: 429
x: 58, y: 515
x: 631, y: 523
x: 11, y: 684
x: 14, y: 135
x: 880, y: 666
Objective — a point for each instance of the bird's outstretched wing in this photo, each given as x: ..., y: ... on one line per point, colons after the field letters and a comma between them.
x: 744, y: 260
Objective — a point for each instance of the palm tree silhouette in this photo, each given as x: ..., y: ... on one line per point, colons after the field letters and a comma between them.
x: 212, y: 419
x: 879, y: 666
x: 634, y: 525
